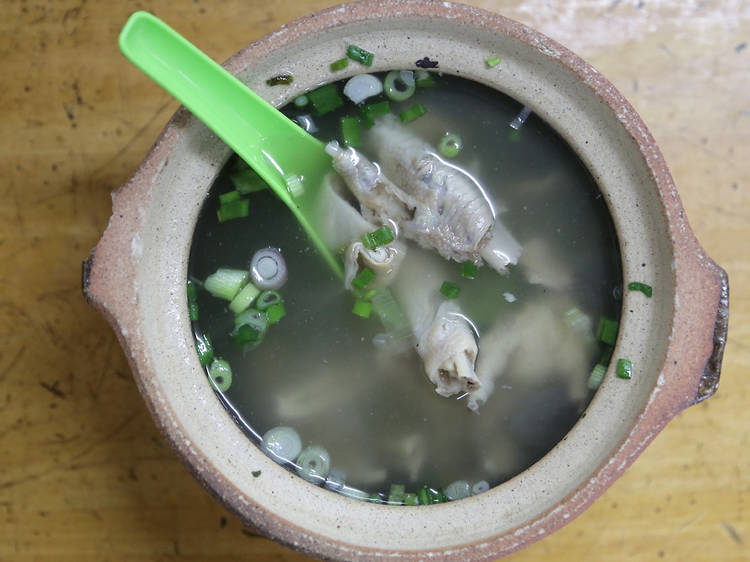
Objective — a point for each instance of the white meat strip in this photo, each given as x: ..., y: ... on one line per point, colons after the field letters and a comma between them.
x: 542, y: 266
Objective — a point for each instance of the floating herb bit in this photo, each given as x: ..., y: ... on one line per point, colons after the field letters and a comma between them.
x: 313, y: 463
x: 244, y: 298
x: 362, y: 308
x: 607, y: 331
x: 193, y: 311
x: 412, y: 113
x: 340, y: 64
x: 596, y: 376
x: 358, y: 54
x: 450, y: 145
x: 396, y: 495
x: 642, y: 287
x: 204, y: 348
x: 624, y: 369
x: 249, y: 327
x: 192, y: 291
x: 233, y: 210
x: 280, y: 79
x: 325, y: 99
x: 364, y: 295
x: 244, y: 179
x: 399, y: 85
x: 370, y: 111
x: 424, y: 79
x: 450, y: 290
x: 457, y: 490
x: 220, y: 374
x: 410, y: 499
x: 480, y: 487
x: 267, y: 299
x: 275, y: 312
x: 282, y: 443
x: 379, y: 237
x: 350, y: 131
x: 363, y: 278
x: 225, y: 283
x: 230, y: 196
x: 494, y: 61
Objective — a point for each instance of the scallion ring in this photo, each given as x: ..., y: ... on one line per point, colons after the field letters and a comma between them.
x: 399, y: 85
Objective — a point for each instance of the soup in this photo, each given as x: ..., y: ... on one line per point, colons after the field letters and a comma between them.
x: 337, y: 387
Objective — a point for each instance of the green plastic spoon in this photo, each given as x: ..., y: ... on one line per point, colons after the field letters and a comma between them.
x: 278, y: 149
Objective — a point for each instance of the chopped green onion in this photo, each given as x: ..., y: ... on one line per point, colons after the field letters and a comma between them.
x: 192, y: 291
x: 397, y: 493
x: 376, y: 498
x: 364, y: 295
x: 450, y: 290
x: 596, y: 376
x: 280, y: 79
x: 423, y: 496
x: 220, y: 374
x: 358, y: 54
x: 469, y: 270
x: 399, y: 85
x: 301, y: 101
x: 249, y: 326
x: 230, y: 196
x: 275, y: 312
x: 282, y: 443
x: 607, y: 330
x: 410, y: 499
x: 350, y: 131
x: 624, y: 369
x: 412, y: 113
x: 379, y: 237
x: 494, y: 61
x: 225, y: 283
x: 480, y: 487
x: 340, y: 64
x: 325, y: 99
x: 204, y: 348
x: 450, y: 145
x: 244, y: 298
x: 247, y: 333
x: 390, y: 314
x: 424, y: 79
x: 267, y: 299
x: 642, y: 287
x: 431, y: 495
x: 458, y: 490
x: 372, y: 110
x: 313, y: 463
x: 362, y: 308
x: 233, y: 210
x: 193, y: 311
x: 244, y: 179
x: 578, y: 321
x: 364, y: 278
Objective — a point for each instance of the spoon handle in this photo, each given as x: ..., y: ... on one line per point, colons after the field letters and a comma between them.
x: 274, y: 146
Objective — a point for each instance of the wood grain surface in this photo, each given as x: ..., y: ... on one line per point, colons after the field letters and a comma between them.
x: 84, y: 475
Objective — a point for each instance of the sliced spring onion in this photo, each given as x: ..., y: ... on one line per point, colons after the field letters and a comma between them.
x: 335, y: 480
x: 275, y: 312
x: 423, y: 496
x: 280, y: 79
x: 390, y: 314
x: 596, y: 376
x: 431, y: 495
x: 350, y: 131
x: 268, y: 269
x: 362, y: 86
x: 358, y: 54
x: 325, y: 99
x: 249, y: 327
x: 244, y: 298
x: 301, y: 101
x: 363, y: 278
x: 480, y: 487
x: 642, y: 287
x: 379, y: 237
x: 244, y: 179
x: 493, y: 61
x: 233, y: 210
x: 193, y: 311
x: 225, y: 283
x: 362, y: 308
x: 340, y: 64
x: 520, y: 119
x: 220, y: 374
x: 192, y: 291
x: 267, y: 299
x: 450, y: 290
x: 364, y: 294
x: 204, y: 348
x: 396, y: 494
x: 399, y: 85
x: 313, y: 463
x: 424, y: 79
x: 282, y: 443
x: 410, y: 499
x: 607, y: 330
x: 376, y: 498
x: 229, y: 196
x: 469, y: 270
x: 624, y: 369
x: 450, y: 145
x: 457, y: 490
x: 370, y: 111
x: 412, y: 113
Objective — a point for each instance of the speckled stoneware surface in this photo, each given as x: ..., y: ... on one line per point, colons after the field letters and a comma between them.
x: 136, y: 278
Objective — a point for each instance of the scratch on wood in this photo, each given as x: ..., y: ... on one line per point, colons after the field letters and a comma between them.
x: 732, y: 532
x: 53, y: 388
x: 9, y: 367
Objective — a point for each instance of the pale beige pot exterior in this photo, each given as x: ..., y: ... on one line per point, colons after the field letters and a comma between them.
x: 136, y: 278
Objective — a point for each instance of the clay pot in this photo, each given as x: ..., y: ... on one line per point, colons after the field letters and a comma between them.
x: 136, y: 279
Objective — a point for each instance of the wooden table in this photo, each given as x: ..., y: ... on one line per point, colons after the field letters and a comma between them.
x: 83, y: 473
